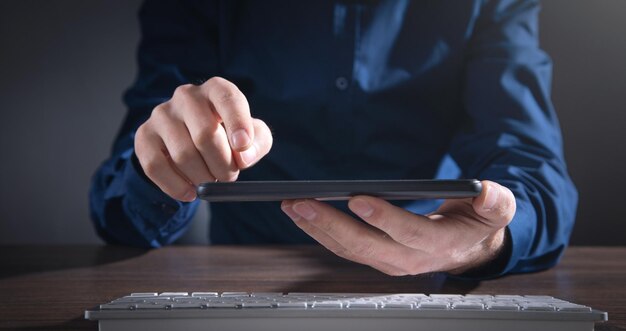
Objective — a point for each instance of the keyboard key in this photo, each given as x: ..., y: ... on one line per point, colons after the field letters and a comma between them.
x: 446, y: 296
x: 573, y: 308
x: 291, y: 305
x: 143, y: 294
x: 173, y: 294
x: 539, y: 297
x: 538, y: 307
x: 120, y: 306
x: 159, y: 299
x: 149, y: 306
x: 204, y: 294
x: 407, y: 295
x: 327, y: 304
x: 185, y: 305
x: 131, y: 299
x: 362, y: 305
x: 325, y: 295
x: 189, y: 299
x: 478, y: 296
x: 266, y: 294
x: 397, y: 305
x: 434, y: 305
x: 509, y: 297
x: 503, y: 306
x: 220, y: 305
x: 234, y: 294
x: 468, y: 305
x: 265, y: 304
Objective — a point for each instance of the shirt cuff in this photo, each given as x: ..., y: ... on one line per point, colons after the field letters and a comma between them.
x: 158, y: 217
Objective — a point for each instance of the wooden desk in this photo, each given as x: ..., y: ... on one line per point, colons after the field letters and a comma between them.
x: 49, y: 287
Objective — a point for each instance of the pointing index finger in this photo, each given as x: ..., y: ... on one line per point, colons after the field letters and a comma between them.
x: 232, y: 106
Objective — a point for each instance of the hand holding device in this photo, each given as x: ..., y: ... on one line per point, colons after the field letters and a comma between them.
x: 462, y: 234
x: 202, y: 134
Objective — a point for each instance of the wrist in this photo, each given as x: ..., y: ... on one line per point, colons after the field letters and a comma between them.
x: 491, y: 256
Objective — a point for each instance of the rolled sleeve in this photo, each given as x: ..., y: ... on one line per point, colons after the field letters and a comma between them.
x: 513, y: 135
x: 133, y: 210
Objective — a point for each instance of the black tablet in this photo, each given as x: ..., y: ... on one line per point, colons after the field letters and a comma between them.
x: 338, y: 190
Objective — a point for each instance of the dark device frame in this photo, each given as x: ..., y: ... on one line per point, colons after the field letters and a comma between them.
x: 338, y: 190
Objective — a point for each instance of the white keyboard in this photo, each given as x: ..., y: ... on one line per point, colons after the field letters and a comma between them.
x: 341, y: 311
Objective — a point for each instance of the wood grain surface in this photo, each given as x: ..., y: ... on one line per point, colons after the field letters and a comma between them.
x: 50, y: 287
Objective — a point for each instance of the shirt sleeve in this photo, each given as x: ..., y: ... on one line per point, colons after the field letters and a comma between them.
x: 513, y: 135
x: 177, y: 47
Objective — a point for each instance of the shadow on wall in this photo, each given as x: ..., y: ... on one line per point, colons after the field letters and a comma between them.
x: 587, y: 42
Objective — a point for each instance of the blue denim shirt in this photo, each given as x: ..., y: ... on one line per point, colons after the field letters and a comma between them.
x: 354, y: 90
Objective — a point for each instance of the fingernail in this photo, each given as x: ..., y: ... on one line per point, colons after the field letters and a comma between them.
x: 287, y: 209
x: 362, y: 208
x: 189, y: 196
x: 240, y: 139
x: 493, y: 192
x: 305, y: 210
x: 249, y: 155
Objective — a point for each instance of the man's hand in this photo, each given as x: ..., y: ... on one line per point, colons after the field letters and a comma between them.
x: 461, y: 235
x: 203, y: 134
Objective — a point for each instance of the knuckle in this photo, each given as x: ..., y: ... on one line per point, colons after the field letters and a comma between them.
x: 159, y: 112
x: 182, y: 155
x: 218, y: 83
x: 160, y: 108
x: 183, y: 90
x: 140, y: 135
x: 215, y: 81
x: 144, y: 152
x: 183, y: 94
x: 203, y: 138
x: 151, y: 167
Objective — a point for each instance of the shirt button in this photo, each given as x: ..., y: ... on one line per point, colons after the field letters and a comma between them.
x: 168, y: 209
x: 341, y: 83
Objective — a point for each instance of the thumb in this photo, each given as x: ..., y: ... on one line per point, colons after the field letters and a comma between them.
x: 496, y: 204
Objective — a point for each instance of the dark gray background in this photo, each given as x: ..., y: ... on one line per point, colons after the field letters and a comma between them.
x: 65, y: 63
